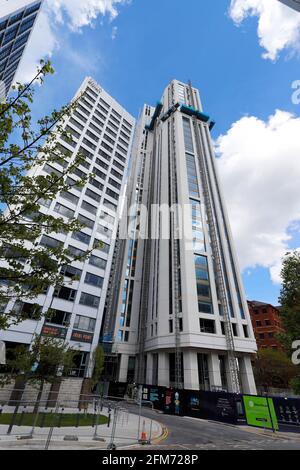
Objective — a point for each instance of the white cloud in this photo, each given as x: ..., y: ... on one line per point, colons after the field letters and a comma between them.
x: 79, y: 13
x: 260, y: 172
x: 74, y: 15
x: 278, y: 25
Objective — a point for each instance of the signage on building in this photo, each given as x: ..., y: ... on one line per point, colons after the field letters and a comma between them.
x: 82, y: 337
x: 260, y: 412
x: 54, y: 331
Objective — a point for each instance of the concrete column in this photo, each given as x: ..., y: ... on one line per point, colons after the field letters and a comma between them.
x: 214, y: 371
x: 163, y: 370
x: 123, y: 368
x: 247, y: 377
x: 191, y: 372
x: 149, y: 371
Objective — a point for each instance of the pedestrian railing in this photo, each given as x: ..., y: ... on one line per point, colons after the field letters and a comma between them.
x: 106, y: 422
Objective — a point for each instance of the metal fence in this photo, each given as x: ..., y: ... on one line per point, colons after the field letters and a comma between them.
x: 91, y: 422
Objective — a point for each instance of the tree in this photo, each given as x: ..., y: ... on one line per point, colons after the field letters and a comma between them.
x: 26, y: 267
x: 97, y: 363
x: 43, y: 363
x: 290, y: 301
x: 273, y: 369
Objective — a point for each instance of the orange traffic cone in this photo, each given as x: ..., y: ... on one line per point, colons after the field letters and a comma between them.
x: 144, y: 439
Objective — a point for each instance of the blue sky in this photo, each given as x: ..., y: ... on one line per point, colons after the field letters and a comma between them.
x: 159, y: 40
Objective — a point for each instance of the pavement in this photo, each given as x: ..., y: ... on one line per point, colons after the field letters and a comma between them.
x: 128, y: 429
x: 186, y: 433
x: 166, y: 433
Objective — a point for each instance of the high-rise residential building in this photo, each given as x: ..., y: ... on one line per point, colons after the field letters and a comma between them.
x: 102, y: 131
x: 17, y: 20
x: 176, y: 313
x: 267, y: 324
x: 295, y: 4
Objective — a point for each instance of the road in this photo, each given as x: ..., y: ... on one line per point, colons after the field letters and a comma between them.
x: 193, y: 434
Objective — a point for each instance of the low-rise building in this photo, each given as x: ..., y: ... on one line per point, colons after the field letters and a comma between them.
x: 267, y: 324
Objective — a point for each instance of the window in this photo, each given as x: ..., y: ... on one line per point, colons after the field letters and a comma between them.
x: 110, y: 205
x: 85, y: 153
x: 50, y: 242
x: 81, y: 174
x: 114, y: 183
x: 203, y: 291
x: 234, y: 329
x: 65, y: 293
x: 107, y: 218
x: 70, y: 197
x: 89, y: 208
x: 92, y: 136
x: 107, y: 147
x: 261, y: 336
x: 76, y: 252
x: 105, y: 231
x: 64, y: 211
x: 89, y: 300
x: 170, y: 326
x: 188, y: 139
x: 51, y: 171
x: 59, y: 317
x: 113, y: 125
x: 268, y: 322
x: 85, y: 221
x: 246, y: 332
x: 96, y: 183
x: 100, y: 245
x: 116, y: 174
x: 84, y: 323
x: 112, y: 194
x: 77, y: 114
x: 89, y: 144
x: 93, y: 280
x: 101, y: 163
x: 120, y: 157
x: 192, y: 176
x: 93, y: 195
x: 118, y: 165
x: 104, y: 155
x: 104, y: 103
x: 82, y: 237
x: 71, y: 272
x: 27, y: 311
x: 258, y: 323
x: 205, y: 307
x: 76, y: 123
x: 207, y: 326
x: 99, y: 173
x: 97, y: 262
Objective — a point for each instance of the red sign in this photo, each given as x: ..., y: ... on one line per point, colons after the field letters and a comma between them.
x: 54, y: 331
x: 82, y: 337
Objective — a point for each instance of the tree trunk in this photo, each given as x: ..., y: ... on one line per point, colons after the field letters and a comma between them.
x: 37, y: 403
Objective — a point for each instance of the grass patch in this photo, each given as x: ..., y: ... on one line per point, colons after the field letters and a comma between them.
x: 47, y: 420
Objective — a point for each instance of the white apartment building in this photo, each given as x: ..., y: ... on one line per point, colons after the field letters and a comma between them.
x: 176, y: 310
x: 17, y: 20
x: 102, y: 130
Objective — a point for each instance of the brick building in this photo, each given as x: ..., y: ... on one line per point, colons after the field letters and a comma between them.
x: 266, y: 324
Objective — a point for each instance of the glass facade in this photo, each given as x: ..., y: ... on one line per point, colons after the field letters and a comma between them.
x: 14, y: 34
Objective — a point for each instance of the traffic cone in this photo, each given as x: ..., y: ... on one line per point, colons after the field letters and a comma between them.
x: 143, y: 438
